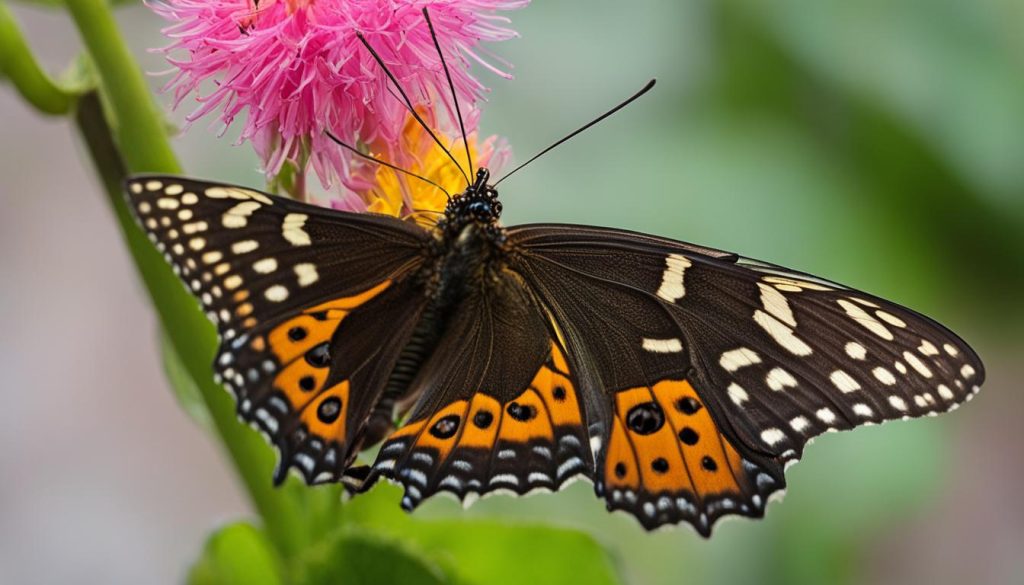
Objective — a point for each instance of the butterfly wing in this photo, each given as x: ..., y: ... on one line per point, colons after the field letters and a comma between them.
x: 498, y: 407
x: 313, y: 307
x: 705, y: 373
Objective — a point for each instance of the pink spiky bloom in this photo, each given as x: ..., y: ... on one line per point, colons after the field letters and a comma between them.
x: 295, y: 68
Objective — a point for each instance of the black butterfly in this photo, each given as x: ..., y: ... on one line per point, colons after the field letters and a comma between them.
x: 681, y: 380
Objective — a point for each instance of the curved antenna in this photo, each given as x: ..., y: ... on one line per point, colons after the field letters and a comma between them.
x: 645, y: 89
x: 409, y: 106
x: 385, y: 163
x: 451, y: 86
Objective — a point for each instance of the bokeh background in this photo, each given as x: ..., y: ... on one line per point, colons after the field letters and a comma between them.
x: 878, y: 142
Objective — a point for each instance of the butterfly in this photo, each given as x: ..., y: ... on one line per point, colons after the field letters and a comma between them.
x: 681, y: 380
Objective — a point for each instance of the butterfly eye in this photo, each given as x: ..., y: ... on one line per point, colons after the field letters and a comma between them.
x: 645, y: 419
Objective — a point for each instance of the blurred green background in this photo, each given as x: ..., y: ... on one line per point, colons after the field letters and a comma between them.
x: 876, y: 143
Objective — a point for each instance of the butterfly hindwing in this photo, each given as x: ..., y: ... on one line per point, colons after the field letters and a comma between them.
x: 497, y: 406
x: 312, y: 306
x: 771, y: 357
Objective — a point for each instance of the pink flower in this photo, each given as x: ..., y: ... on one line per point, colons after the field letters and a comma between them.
x: 295, y: 68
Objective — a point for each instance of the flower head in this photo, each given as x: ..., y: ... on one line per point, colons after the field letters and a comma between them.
x: 380, y: 189
x: 295, y: 68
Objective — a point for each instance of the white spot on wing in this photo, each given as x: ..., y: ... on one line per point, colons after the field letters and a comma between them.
x: 776, y: 304
x: 856, y: 350
x: 897, y: 402
x: 738, y: 358
x: 867, y: 321
x: 844, y: 381
x: 738, y: 394
x: 778, y: 379
x: 238, y: 216
x: 862, y: 409
x: 890, y: 319
x: 927, y: 348
x: 772, y: 436
x: 244, y: 246
x: 672, y: 288
x: 967, y: 371
x: 917, y: 364
x: 825, y: 415
x: 672, y: 345
x: 292, y: 230
x: 781, y: 333
x: 799, y: 424
x: 884, y: 376
x: 276, y: 293
x: 265, y: 266
x: 306, y: 273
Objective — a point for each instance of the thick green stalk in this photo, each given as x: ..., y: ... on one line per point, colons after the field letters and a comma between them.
x: 19, y: 65
x: 129, y: 137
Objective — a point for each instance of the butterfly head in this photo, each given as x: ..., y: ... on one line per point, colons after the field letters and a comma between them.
x: 478, y: 204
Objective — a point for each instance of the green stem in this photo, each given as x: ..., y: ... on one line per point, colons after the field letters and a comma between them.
x: 139, y: 126
x: 135, y: 143
x: 19, y: 65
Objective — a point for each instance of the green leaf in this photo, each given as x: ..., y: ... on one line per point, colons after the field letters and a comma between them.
x: 357, y: 558
x: 489, y: 552
x: 237, y: 554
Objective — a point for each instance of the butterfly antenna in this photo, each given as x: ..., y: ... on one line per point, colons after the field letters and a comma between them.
x: 451, y: 86
x: 385, y: 163
x: 645, y: 89
x: 409, y: 106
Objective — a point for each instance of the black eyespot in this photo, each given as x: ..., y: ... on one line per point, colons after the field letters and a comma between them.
x: 620, y: 470
x: 559, y: 393
x: 329, y: 410
x: 297, y: 333
x: 709, y: 464
x: 319, y: 356
x: 688, y: 405
x: 307, y: 383
x: 483, y: 419
x: 521, y: 412
x: 689, y: 436
x: 446, y: 427
x: 645, y: 418
x: 659, y: 465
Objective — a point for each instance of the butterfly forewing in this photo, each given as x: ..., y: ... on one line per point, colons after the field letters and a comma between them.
x: 669, y: 331
x: 312, y: 306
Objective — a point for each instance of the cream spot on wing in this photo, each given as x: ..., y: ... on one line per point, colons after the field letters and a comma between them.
x: 197, y: 244
x: 779, y: 379
x: 154, y: 185
x: 927, y: 348
x: 772, y: 436
x: 967, y: 371
x: 917, y: 364
x: 856, y: 350
x: 185, y: 214
x: 291, y: 229
x: 900, y: 367
x: 244, y: 246
x: 167, y: 203
x: 890, y: 319
x: 844, y: 382
x: 212, y: 257
x: 221, y: 269
x: 738, y: 358
x: 884, y: 376
x: 672, y: 345
x: 897, y: 402
x: 799, y: 423
x: 307, y: 274
x: 195, y: 227
x: 135, y: 188
x: 265, y: 266
x: 276, y: 293
x: 776, y: 304
x: 144, y: 207
x: 867, y: 321
x: 738, y: 394
x: 793, y: 282
x: 672, y: 288
x: 781, y: 333
x: 825, y: 415
x: 174, y: 189
x: 862, y: 409
x: 951, y: 349
x: 189, y: 199
x: 945, y: 392
x: 232, y: 282
x: 238, y: 216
